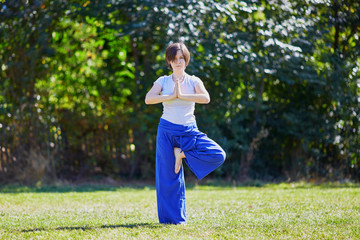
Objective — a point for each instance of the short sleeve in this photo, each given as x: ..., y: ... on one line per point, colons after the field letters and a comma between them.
x: 160, y: 81
x: 195, y: 80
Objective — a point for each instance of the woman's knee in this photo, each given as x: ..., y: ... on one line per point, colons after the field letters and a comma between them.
x: 221, y: 156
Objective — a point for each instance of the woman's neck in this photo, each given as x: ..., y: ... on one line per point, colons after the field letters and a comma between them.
x: 178, y: 74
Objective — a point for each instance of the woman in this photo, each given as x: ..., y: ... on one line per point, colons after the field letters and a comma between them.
x: 178, y: 136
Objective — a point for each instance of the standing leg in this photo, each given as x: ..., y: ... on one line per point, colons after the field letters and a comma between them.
x: 205, y: 157
x: 170, y: 187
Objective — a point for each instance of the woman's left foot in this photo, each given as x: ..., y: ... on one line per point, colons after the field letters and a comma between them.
x: 178, y: 159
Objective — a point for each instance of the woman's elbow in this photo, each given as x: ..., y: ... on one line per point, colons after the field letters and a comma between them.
x: 147, y: 100
x: 207, y: 99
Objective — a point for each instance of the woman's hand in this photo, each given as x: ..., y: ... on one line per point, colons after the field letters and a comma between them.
x: 175, y: 93
x: 177, y: 90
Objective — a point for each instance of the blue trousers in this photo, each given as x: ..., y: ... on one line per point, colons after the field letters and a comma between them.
x: 203, y: 156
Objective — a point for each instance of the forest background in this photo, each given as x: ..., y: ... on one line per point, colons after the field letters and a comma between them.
x: 283, y: 77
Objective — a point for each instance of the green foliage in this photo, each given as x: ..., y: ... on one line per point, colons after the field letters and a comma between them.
x: 282, y: 75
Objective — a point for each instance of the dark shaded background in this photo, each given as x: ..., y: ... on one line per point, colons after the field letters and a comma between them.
x: 283, y: 78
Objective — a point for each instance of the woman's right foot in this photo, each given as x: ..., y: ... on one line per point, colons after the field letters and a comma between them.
x: 178, y: 159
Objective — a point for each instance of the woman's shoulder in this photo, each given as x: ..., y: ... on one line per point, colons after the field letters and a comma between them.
x: 163, y: 79
x: 194, y: 79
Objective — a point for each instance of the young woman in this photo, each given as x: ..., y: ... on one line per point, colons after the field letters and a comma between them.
x: 178, y: 136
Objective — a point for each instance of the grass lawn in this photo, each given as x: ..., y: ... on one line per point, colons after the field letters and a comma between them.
x: 275, y: 211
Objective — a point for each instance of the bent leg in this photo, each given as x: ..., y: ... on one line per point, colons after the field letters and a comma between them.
x: 170, y: 187
x: 205, y: 157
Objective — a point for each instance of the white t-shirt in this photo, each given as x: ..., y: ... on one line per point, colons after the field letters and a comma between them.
x: 178, y: 111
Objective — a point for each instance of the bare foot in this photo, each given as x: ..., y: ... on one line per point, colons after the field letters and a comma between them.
x: 178, y: 159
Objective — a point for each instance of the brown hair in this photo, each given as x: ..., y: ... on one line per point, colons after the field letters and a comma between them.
x: 171, y: 51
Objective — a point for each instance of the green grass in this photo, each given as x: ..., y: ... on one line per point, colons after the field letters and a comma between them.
x: 278, y: 211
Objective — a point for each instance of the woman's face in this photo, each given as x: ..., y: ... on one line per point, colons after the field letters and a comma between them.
x: 179, y: 62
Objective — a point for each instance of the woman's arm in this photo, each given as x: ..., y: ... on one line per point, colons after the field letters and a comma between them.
x: 201, y: 94
x: 153, y: 96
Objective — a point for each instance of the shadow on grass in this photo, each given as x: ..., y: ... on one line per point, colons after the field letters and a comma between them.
x: 130, y: 225
x: 135, y: 225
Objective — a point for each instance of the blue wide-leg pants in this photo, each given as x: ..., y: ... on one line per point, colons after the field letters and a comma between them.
x: 203, y: 156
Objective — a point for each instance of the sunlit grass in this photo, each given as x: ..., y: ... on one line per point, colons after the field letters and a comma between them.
x: 272, y: 211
